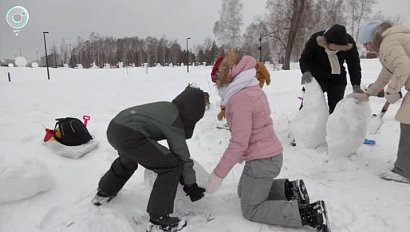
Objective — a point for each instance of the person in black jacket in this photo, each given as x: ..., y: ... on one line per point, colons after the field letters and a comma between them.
x: 135, y: 133
x: 323, y: 57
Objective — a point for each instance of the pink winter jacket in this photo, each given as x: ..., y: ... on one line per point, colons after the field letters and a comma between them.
x: 252, y: 134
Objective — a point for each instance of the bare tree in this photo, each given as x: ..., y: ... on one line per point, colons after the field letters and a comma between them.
x: 227, y: 29
x: 162, y: 50
x: 64, y: 51
x: 298, y: 7
x: 276, y: 24
x: 175, y: 52
x: 208, y: 51
x: 284, y: 23
x: 250, y: 39
x: 357, y: 12
x: 334, y: 11
x: 255, y: 42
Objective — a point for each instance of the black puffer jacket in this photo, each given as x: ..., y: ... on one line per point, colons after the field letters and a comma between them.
x: 315, y: 59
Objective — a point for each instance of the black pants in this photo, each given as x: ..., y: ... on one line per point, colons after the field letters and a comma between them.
x: 133, y: 149
x: 335, y: 93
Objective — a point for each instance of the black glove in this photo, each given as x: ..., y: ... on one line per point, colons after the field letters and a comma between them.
x: 306, y: 77
x: 194, y: 192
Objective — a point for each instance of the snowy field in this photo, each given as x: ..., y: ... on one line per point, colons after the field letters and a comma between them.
x: 357, y: 198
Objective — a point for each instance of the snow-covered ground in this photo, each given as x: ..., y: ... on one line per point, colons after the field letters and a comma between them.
x: 357, y: 199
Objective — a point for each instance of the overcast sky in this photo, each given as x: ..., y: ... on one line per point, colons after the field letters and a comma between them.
x: 177, y: 19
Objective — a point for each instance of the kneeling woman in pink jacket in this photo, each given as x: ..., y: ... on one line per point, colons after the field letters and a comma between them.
x: 253, y: 140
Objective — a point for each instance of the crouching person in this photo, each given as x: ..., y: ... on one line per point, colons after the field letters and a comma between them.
x: 392, y: 45
x: 263, y: 198
x: 135, y: 133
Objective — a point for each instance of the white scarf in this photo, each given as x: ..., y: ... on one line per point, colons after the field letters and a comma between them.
x: 242, y: 80
x: 334, y: 61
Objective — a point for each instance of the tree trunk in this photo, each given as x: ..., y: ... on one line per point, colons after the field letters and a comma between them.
x: 298, y: 7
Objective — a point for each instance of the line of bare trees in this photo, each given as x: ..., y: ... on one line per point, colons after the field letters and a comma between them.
x: 277, y: 36
x: 130, y: 51
x: 280, y: 35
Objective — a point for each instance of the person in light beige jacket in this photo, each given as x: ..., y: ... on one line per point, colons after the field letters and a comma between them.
x: 392, y: 44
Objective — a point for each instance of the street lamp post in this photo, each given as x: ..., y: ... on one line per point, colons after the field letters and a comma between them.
x: 187, y: 54
x: 45, y: 47
x: 71, y: 57
x: 260, y: 48
x: 55, y: 56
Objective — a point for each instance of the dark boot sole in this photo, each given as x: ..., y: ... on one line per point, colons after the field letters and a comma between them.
x: 324, y: 227
x: 303, y: 193
x: 157, y: 228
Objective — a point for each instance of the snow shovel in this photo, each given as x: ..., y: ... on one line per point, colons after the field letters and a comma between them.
x: 376, y: 120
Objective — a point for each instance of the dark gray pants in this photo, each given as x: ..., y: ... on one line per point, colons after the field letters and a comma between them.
x: 256, y: 184
x: 402, y: 164
x: 133, y: 149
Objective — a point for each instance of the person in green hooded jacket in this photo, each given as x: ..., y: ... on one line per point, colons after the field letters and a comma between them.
x: 135, y: 133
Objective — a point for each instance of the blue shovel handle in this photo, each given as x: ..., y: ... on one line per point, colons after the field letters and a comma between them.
x: 369, y: 142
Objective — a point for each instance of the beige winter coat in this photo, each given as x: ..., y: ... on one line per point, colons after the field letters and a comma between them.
x: 394, y: 54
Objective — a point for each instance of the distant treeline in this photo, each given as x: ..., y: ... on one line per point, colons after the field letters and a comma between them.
x: 277, y: 36
x: 130, y: 51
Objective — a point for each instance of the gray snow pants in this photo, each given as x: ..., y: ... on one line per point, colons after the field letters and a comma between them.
x: 402, y: 164
x: 256, y: 184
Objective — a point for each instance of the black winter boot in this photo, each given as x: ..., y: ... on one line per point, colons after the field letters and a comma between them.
x: 165, y: 223
x: 101, y: 198
x: 315, y: 215
x: 296, y: 190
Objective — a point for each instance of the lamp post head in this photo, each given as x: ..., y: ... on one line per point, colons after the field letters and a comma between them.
x: 45, y: 32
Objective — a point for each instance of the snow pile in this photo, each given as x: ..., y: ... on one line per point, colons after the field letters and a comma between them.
x: 88, y: 217
x: 309, y: 125
x: 356, y: 197
x: 347, y: 127
x: 73, y: 152
x: 20, y: 61
x: 21, y: 180
x: 94, y: 66
x: 200, y: 172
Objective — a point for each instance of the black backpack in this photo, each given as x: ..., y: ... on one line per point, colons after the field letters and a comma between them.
x: 73, y: 132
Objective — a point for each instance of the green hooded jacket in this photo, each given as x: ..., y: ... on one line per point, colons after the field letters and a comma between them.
x: 173, y: 121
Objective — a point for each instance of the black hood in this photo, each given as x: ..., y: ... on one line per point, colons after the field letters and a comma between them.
x: 191, y: 105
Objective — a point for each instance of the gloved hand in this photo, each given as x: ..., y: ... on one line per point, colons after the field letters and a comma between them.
x: 360, y: 97
x: 357, y: 89
x: 379, y: 94
x: 262, y: 74
x: 306, y: 77
x: 393, y: 97
x: 213, y: 183
x: 221, y: 114
x: 194, y: 192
